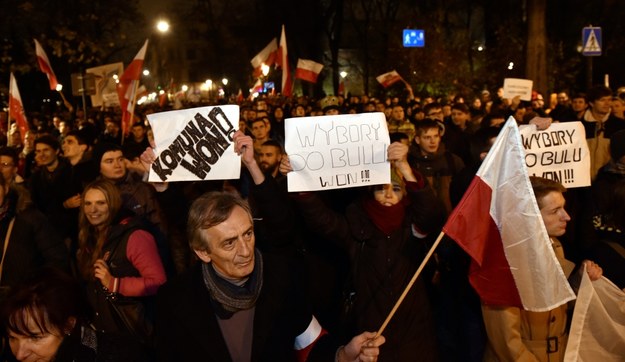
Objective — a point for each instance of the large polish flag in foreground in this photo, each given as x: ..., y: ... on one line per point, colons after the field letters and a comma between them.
x: 388, y: 79
x: 499, y: 225
x: 44, y: 65
x: 128, y: 86
x: 16, y: 107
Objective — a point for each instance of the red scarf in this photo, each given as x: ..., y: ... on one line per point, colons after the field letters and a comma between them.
x: 386, y: 218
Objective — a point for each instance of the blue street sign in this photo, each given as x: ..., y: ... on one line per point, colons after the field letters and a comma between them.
x: 414, y: 38
x: 591, y: 41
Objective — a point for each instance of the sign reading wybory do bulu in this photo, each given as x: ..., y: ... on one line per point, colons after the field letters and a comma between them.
x: 331, y: 152
x: 195, y: 144
x: 559, y: 153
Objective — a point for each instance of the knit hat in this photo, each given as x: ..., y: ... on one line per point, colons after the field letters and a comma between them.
x: 329, y: 102
x: 102, y: 148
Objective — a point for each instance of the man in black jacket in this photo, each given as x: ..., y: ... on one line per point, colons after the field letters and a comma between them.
x: 239, y: 304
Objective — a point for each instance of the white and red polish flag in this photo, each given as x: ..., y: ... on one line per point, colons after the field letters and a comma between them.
x: 266, y: 56
x: 499, y: 225
x: 44, y: 65
x: 16, y: 107
x: 388, y: 79
x: 283, y: 62
x: 128, y: 85
x: 308, y: 70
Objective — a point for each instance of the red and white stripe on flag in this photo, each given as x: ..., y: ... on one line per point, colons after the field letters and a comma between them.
x: 308, y: 70
x: 44, y: 65
x: 388, y: 79
x: 307, y: 339
x: 499, y: 225
x: 126, y: 88
x: 16, y: 107
x: 283, y: 62
x: 266, y: 56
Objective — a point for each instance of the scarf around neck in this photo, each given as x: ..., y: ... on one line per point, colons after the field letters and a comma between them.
x: 386, y: 218
x: 229, y: 298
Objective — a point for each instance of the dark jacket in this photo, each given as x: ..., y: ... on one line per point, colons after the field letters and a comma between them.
x: 439, y: 169
x: 187, y: 329
x: 49, y: 190
x: 383, y: 265
x: 33, y: 242
x: 107, y: 318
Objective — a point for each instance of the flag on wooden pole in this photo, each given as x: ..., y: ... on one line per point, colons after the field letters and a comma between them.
x: 44, y: 65
x: 266, y: 56
x: 128, y: 85
x: 16, y: 107
x: 388, y: 79
x: 498, y: 223
x: 308, y: 70
x: 283, y: 62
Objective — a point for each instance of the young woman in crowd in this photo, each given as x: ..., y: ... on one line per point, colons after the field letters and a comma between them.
x: 120, y: 262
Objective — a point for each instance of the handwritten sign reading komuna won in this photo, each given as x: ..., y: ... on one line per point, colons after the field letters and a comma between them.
x: 195, y: 144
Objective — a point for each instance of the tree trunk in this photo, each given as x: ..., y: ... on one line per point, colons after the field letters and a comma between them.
x: 536, y: 67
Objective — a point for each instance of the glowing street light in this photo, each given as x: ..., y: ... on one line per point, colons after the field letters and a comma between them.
x: 162, y: 26
x: 264, y: 68
x: 225, y: 81
x: 59, y: 87
x: 146, y: 72
x: 343, y: 74
x: 185, y: 87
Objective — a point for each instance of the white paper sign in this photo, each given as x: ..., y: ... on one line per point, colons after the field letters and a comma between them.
x: 513, y: 87
x: 332, y: 152
x: 558, y: 153
x: 195, y: 144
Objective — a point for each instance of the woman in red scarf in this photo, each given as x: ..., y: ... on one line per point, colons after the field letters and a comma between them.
x: 385, y: 234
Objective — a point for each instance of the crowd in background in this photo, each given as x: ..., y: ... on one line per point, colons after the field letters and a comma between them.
x: 74, y: 196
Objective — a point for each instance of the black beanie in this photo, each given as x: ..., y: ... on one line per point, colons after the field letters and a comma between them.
x: 101, y: 148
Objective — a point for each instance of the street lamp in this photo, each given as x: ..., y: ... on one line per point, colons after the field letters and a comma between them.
x: 146, y: 72
x: 162, y: 26
x: 343, y: 74
x: 225, y: 81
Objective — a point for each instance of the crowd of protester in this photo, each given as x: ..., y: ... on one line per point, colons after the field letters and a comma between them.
x: 75, y: 198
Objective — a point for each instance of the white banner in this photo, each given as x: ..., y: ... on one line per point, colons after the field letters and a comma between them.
x: 195, y: 144
x: 332, y: 152
x: 559, y: 153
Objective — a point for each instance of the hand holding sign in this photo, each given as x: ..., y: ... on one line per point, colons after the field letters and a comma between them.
x: 244, y: 147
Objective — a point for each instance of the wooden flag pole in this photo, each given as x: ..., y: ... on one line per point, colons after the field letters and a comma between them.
x: 412, y: 281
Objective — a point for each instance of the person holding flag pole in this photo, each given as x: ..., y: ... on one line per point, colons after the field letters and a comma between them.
x: 385, y: 234
x: 509, y: 227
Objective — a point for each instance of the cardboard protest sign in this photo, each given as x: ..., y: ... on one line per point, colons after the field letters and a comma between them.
x: 332, y: 152
x: 559, y: 153
x: 105, y: 86
x: 513, y: 87
x: 195, y: 144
